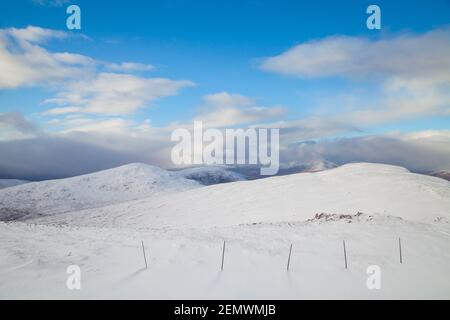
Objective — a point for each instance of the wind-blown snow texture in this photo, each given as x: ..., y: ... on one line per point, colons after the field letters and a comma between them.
x: 183, y: 225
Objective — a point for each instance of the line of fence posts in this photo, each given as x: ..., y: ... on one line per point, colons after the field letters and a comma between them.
x: 289, y: 256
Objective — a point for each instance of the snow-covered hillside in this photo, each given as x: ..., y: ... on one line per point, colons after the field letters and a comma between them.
x: 129, y: 182
x: 211, y: 175
x: 6, y: 183
x: 183, y: 226
x: 373, y: 189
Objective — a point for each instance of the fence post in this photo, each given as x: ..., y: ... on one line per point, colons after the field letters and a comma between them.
x: 223, y: 255
x: 289, y: 259
x: 400, y: 249
x: 345, y: 254
x: 143, y: 251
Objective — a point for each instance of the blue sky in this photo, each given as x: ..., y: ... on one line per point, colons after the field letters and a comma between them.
x: 216, y: 44
x: 222, y: 48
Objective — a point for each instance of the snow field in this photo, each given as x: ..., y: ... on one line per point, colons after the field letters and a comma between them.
x: 185, y: 264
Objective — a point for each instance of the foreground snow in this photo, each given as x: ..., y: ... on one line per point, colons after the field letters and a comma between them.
x: 183, y: 225
x: 185, y: 263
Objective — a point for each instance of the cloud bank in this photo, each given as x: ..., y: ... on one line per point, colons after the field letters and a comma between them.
x: 105, y: 145
x: 82, y: 84
x: 404, y: 59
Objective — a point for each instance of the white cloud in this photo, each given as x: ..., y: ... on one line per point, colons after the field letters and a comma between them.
x: 76, y: 123
x: 110, y: 125
x: 23, y: 62
x: 367, y: 114
x: 79, y: 83
x: 225, y: 109
x: 116, y: 94
x: 414, y: 58
x: 34, y: 34
x: 227, y: 100
x: 313, y: 127
x: 74, y: 59
x: 61, y: 111
x: 129, y: 67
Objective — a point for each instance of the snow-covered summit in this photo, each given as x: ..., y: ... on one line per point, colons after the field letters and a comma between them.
x: 129, y: 182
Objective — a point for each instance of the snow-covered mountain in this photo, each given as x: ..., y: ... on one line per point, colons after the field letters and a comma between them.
x: 373, y: 189
x: 118, y: 185
x: 6, y: 183
x: 183, y: 225
x: 209, y: 175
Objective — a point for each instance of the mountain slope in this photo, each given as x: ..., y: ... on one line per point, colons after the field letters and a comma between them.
x: 373, y: 189
x: 129, y: 182
x: 259, y: 220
